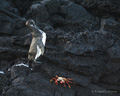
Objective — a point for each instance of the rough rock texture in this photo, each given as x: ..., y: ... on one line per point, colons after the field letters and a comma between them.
x: 51, y: 5
x: 82, y: 44
x: 101, y: 7
x: 39, y: 13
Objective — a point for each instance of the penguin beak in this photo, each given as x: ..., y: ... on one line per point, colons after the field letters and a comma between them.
x: 26, y: 23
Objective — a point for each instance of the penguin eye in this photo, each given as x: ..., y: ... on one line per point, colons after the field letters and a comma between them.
x: 32, y: 23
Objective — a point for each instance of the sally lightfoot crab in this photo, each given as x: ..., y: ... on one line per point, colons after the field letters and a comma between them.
x: 62, y: 81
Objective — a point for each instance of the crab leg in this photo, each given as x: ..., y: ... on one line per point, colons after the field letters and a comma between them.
x: 64, y: 84
x: 68, y: 84
x: 56, y: 82
x: 69, y: 81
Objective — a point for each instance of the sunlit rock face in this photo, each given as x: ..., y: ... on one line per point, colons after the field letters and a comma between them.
x: 82, y: 44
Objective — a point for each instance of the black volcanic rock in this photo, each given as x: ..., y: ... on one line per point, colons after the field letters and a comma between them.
x: 57, y: 20
x: 113, y: 78
x: 22, y: 5
x: 101, y: 7
x: 3, y: 81
x: 77, y: 12
x: 39, y: 13
x: 19, y: 71
x: 114, y: 51
x: 77, y: 18
x: 23, y: 41
x: 48, y: 29
x: 82, y: 44
x: 9, y: 18
x: 111, y: 25
x: 35, y: 84
x: 7, y: 28
x: 51, y: 5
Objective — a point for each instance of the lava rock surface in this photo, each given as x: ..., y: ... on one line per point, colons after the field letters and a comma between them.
x: 83, y: 43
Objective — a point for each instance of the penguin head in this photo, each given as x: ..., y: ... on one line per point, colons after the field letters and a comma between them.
x: 30, y: 22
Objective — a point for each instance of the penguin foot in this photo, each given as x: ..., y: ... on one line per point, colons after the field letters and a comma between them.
x: 31, y: 65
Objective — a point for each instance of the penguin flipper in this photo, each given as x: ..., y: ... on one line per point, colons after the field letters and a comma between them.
x: 41, y: 46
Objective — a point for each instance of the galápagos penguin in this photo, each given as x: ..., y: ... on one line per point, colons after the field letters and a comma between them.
x: 37, y: 46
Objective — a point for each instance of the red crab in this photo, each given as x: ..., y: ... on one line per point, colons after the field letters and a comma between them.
x: 62, y: 81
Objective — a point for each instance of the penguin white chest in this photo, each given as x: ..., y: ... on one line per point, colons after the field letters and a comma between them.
x: 38, y: 52
x: 44, y: 38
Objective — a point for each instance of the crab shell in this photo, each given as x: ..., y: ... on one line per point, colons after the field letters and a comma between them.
x: 62, y: 81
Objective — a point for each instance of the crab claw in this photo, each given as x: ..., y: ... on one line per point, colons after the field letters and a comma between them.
x: 53, y: 79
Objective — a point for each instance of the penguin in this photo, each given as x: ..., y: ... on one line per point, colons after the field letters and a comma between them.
x: 37, y: 46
